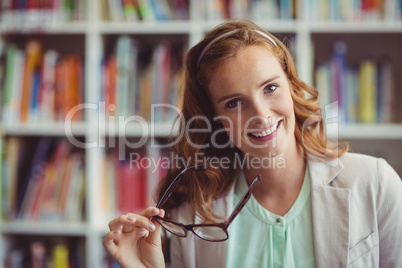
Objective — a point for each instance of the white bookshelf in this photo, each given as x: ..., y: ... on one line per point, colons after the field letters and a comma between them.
x: 95, y: 32
x: 371, y: 131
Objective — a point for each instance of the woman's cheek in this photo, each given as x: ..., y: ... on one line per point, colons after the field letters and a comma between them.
x: 231, y: 131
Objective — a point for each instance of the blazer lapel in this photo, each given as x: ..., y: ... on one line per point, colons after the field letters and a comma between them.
x: 330, y: 214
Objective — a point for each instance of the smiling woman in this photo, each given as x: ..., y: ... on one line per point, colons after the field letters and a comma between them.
x: 243, y: 95
x: 252, y: 90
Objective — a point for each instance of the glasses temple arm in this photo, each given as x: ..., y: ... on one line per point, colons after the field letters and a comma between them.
x: 173, y: 186
x: 242, y: 201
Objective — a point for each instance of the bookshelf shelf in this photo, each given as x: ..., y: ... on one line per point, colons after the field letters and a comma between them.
x: 94, y: 39
x: 371, y: 131
x: 271, y: 25
x: 148, y: 129
x: 45, y: 228
x: 354, y: 27
x: 63, y: 28
x: 173, y: 27
x: 43, y: 129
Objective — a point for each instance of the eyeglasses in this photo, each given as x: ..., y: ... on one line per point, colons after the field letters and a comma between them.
x: 214, y: 232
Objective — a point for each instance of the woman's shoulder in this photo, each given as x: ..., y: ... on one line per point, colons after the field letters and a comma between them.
x: 353, y: 170
x: 366, y: 165
x: 349, y: 159
x: 361, y: 170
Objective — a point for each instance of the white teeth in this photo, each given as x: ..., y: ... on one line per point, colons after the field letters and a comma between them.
x: 265, y: 132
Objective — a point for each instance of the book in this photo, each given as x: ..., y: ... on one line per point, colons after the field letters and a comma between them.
x: 339, y: 74
x: 116, y: 10
x: 161, y: 75
x: 352, y: 94
x: 11, y: 173
x: 38, y: 254
x: 33, y: 114
x: 386, y: 95
x: 323, y: 84
x: 66, y: 178
x: 33, y: 54
x: 145, y: 10
x: 48, y: 88
x: 286, y: 9
x: 367, y: 91
x: 2, y: 179
x: 13, y: 84
x: 73, y: 91
x: 161, y: 9
x: 130, y: 10
x: 133, y: 102
x: 27, y: 192
x: 9, y: 83
x: 60, y: 256
x: 123, y: 60
x: 108, y: 187
x: 111, y: 91
x: 76, y: 191
x: 145, y: 88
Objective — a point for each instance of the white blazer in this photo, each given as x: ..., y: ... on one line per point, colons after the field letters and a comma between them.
x: 356, y: 210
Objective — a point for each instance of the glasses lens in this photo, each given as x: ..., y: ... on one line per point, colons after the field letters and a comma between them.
x: 173, y: 228
x: 212, y: 233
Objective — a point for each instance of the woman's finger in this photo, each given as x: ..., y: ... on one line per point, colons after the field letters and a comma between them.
x: 129, y: 222
x: 117, y: 223
x: 109, y: 242
x: 155, y: 237
x: 150, y: 212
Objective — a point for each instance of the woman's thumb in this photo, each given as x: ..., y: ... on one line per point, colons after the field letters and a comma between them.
x: 155, y: 236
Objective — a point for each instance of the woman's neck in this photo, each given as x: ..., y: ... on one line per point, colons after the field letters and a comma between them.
x: 281, y: 183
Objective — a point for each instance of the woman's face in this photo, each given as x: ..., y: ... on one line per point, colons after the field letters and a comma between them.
x: 251, y: 97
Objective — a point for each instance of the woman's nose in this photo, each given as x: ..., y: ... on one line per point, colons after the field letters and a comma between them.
x: 259, y: 113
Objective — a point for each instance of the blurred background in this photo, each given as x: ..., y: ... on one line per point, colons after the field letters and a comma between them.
x: 73, y: 72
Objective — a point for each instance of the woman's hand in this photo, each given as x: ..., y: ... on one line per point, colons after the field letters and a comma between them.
x: 135, y: 241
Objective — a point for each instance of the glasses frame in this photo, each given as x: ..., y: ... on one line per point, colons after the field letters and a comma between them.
x: 190, y: 227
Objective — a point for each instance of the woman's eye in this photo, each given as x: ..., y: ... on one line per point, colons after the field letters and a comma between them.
x: 233, y: 103
x: 270, y: 88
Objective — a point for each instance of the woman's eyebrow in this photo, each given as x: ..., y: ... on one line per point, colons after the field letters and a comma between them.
x: 269, y: 80
x: 237, y: 95
x: 228, y: 97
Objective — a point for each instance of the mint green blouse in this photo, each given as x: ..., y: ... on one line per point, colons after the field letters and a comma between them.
x: 259, y: 238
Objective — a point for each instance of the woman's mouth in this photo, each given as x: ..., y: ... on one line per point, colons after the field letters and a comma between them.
x: 266, y: 134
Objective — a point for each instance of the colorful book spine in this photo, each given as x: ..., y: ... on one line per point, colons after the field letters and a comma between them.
x: 37, y: 14
x: 41, y: 87
x: 133, y: 81
x: 144, y: 10
x: 386, y: 99
x: 124, y: 45
x: 9, y: 83
x: 368, y: 91
x: 52, y: 189
x: 355, y: 10
x: 339, y: 74
x: 125, y: 185
x: 365, y: 92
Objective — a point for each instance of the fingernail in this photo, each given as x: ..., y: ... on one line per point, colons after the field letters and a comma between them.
x: 130, y: 218
x: 155, y: 210
x: 116, y: 232
x: 152, y: 226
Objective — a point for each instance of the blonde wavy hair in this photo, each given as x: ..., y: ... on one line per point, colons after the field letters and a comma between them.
x: 201, y: 188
